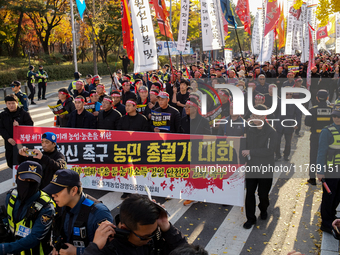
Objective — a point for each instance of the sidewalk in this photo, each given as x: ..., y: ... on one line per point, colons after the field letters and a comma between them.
x: 329, y: 245
x: 51, y: 90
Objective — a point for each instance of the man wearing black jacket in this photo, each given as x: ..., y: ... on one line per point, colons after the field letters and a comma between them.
x: 108, y: 118
x: 80, y: 91
x: 133, y: 121
x: 66, y: 100
x: 50, y: 159
x: 116, y: 96
x: 12, y: 116
x: 146, y: 227
x: 80, y: 118
x: 261, y: 144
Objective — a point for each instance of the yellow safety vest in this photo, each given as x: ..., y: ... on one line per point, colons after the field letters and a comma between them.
x: 41, y: 74
x: 74, y: 85
x: 333, y: 156
x: 15, y: 227
x: 31, y: 78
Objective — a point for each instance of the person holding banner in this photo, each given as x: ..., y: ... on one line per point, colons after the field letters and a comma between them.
x: 171, y: 117
x: 11, y: 116
x: 261, y: 143
x: 80, y: 215
x: 133, y: 121
x: 80, y: 118
x: 66, y: 101
x: 142, y: 227
x: 108, y: 118
x: 80, y: 91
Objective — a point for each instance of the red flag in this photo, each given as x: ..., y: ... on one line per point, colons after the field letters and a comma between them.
x: 311, y: 61
x: 225, y: 26
x: 127, y: 30
x: 272, y: 16
x: 321, y: 33
x: 162, y: 18
x: 243, y: 11
x: 294, y: 12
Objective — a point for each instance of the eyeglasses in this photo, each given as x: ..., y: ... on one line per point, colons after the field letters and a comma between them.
x: 144, y: 238
x: 335, y: 116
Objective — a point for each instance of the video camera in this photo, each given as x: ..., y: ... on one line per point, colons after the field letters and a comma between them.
x: 5, y: 235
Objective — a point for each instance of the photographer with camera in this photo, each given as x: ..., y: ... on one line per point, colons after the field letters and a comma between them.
x: 29, y: 213
x: 50, y: 158
x: 12, y: 116
x: 80, y: 214
x: 142, y: 228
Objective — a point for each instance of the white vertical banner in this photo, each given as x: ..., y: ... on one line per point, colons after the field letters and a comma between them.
x: 304, y: 35
x: 183, y: 25
x: 267, y: 48
x: 144, y: 37
x: 228, y: 56
x: 209, y: 26
x: 256, y: 39
x: 313, y: 24
x: 290, y: 31
x: 337, y: 33
x: 219, y: 14
x: 297, y: 33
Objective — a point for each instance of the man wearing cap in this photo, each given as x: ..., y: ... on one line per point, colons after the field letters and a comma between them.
x: 80, y: 91
x: 72, y: 85
x: 50, y: 158
x: 327, y: 169
x: 116, y: 97
x: 80, y: 118
x: 108, y: 117
x: 320, y: 117
x: 75, y: 229
x: 101, y: 92
x: 22, y: 97
x: 12, y: 116
x: 30, y: 213
x: 67, y: 102
x: 262, y: 85
x: 42, y: 83
x: 88, y: 80
x: 173, y: 120
x: 30, y: 83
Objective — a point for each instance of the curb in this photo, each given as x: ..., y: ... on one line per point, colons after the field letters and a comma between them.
x: 329, y: 245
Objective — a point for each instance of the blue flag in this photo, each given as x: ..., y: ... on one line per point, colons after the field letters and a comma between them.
x: 81, y: 5
x: 228, y: 12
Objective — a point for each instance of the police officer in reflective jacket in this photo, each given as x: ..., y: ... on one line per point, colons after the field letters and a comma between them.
x: 22, y: 97
x: 29, y: 213
x: 80, y: 215
x: 320, y: 117
x: 328, y: 162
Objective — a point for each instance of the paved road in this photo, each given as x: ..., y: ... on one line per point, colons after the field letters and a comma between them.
x: 293, y: 213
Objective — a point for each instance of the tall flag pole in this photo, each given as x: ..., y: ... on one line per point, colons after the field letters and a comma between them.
x: 127, y: 30
x: 229, y: 16
x: 74, y: 46
x: 243, y: 12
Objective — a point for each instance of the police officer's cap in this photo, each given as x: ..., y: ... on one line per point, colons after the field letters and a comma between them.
x: 16, y: 83
x: 322, y: 94
x: 40, y: 66
x: 88, y: 76
x: 31, y: 67
x: 62, y: 179
x: 30, y: 170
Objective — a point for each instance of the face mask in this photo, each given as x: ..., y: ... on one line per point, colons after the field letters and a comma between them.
x: 26, y: 189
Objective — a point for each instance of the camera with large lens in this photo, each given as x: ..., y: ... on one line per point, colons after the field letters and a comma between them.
x: 5, y: 235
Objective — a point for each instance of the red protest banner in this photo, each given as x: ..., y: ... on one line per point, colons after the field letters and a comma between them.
x: 195, y: 167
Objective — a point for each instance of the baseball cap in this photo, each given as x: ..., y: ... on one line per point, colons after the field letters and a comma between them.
x: 50, y: 136
x: 163, y: 95
x: 63, y: 178
x: 30, y: 170
x: 88, y: 76
x: 16, y: 83
x: 336, y: 110
x: 322, y: 94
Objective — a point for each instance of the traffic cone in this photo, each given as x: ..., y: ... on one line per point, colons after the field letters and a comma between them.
x: 55, y: 120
